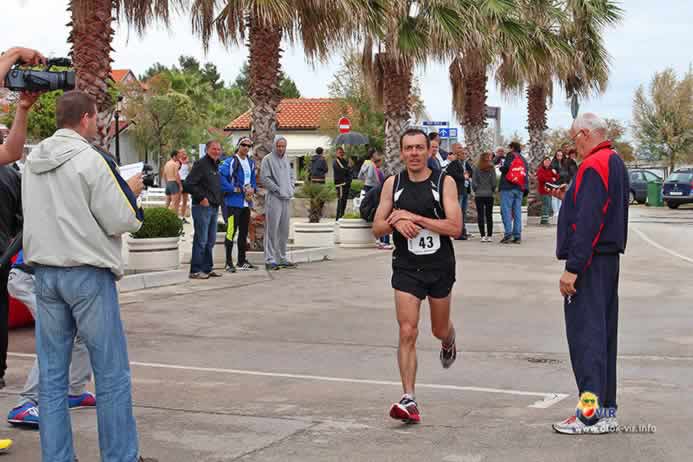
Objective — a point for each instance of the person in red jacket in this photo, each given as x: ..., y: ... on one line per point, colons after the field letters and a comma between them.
x: 545, y: 174
x: 592, y: 234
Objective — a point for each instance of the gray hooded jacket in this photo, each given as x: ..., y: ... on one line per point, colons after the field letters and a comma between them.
x: 76, y: 205
x: 276, y: 173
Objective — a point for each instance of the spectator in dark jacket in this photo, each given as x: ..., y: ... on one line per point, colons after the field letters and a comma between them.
x: 10, y: 225
x: 499, y: 156
x: 342, y: 180
x: 511, y: 196
x: 318, y: 167
x: 571, y: 159
x: 484, y: 183
x: 204, y: 186
x: 461, y: 171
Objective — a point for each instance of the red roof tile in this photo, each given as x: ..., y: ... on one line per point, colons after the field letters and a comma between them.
x: 119, y: 74
x: 298, y: 113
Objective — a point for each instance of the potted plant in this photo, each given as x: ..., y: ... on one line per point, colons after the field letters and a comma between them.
x: 155, y: 247
x: 355, y: 232
x: 314, y: 233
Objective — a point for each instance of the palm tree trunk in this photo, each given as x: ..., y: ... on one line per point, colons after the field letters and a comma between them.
x: 263, y: 69
x: 474, y: 116
x: 536, y: 123
x: 397, y: 90
x: 91, y: 38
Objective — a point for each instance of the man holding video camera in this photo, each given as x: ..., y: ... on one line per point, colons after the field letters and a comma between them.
x: 76, y: 208
x: 13, y: 147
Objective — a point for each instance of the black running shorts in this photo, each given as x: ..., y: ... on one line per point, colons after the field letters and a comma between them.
x: 424, y: 283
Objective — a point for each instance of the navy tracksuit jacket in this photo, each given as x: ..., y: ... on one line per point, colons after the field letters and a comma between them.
x: 592, y: 233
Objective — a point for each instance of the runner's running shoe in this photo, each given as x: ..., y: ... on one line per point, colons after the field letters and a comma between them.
x: 406, y: 410
x: 247, y: 267
x: 448, y: 354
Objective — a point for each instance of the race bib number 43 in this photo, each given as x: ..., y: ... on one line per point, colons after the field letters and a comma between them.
x: 425, y: 243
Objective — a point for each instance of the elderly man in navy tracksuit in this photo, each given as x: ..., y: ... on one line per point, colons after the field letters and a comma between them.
x: 592, y: 233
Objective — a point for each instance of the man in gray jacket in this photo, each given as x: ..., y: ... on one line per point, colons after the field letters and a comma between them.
x: 277, y: 177
x: 76, y: 208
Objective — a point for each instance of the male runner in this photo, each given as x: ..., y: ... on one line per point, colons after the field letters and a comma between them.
x: 421, y: 208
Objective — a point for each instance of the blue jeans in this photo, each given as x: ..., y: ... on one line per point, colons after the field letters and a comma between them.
x: 511, y: 212
x: 464, y: 205
x: 85, y: 299
x: 205, y: 223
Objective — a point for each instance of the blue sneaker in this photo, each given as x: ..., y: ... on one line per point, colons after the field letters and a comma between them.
x: 84, y: 400
x: 27, y: 414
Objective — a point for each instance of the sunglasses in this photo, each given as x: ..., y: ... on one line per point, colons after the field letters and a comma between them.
x: 246, y: 145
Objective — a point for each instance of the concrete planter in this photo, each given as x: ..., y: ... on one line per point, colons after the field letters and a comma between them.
x: 219, y: 251
x: 314, y: 234
x: 156, y: 254
x: 355, y: 233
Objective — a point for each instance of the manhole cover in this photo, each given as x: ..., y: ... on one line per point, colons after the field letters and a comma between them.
x: 544, y: 361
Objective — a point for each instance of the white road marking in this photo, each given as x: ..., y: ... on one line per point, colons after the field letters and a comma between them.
x: 548, y: 399
x: 647, y: 239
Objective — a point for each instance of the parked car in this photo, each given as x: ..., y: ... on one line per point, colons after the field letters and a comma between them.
x: 678, y: 189
x: 638, y: 184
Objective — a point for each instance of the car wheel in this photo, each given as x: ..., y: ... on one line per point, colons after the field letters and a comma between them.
x: 632, y: 197
x: 673, y: 205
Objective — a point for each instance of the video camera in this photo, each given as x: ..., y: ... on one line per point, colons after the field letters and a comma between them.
x: 18, y: 79
x: 148, y: 175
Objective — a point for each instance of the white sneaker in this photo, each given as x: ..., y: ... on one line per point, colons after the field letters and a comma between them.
x: 489, y: 239
x: 574, y: 426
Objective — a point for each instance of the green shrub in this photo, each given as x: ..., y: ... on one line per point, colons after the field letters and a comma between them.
x: 159, y: 222
x: 352, y: 215
x: 318, y: 194
x: 356, y: 187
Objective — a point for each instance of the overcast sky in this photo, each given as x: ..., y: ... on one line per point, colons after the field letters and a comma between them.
x: 654, y: 35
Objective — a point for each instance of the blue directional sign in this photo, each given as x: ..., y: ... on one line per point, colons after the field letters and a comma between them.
x: 452, y: 132
x: 444, y: 133
x: 434, y: 123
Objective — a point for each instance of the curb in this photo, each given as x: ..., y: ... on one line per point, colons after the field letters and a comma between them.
x: 141, y: 281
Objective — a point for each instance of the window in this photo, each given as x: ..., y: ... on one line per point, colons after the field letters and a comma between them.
x: 636, y: 177
x: 680, y: 177
x: 649, y: 176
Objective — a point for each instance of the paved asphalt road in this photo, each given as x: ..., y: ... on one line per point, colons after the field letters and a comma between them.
x: 301, y: 366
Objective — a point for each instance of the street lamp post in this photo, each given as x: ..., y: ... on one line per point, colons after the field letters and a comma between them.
x: 119, y: 104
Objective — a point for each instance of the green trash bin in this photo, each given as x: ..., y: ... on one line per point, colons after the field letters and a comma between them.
x: 654, y: 194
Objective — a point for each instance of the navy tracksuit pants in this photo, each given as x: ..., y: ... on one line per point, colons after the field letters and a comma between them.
x: 591, y: 320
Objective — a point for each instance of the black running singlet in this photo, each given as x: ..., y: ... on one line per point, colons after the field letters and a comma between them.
x: 428, y: 250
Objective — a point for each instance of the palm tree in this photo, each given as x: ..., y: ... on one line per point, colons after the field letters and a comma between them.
x: 587, y: 73
x: 406, y: 32
x: 318, y: 25
x: 557, y: 50
x: 533, y: 67
x: 91, y: 37
x: 495, y: 27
